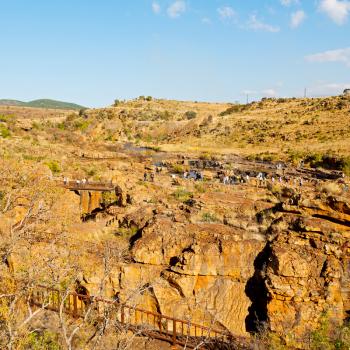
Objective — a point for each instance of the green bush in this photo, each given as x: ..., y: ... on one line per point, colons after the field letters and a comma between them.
x: 209, y: 217
x: 233, y: 109
x: 43, y: 340
x: 61, y: 126
x: 4, y: 131
x: 264, y: 156
x: 208, y: 156
x: 295, y: 156
x: 33, y: 157
x: 82, y: 113
x: 178, y: 169
x: 5, y: 118
x: 346, y: 166
x: 127, y: 232
x: 165, y: 115
x: 91, y: 172
x: 109, y: 198
x: 328, y: 161
x: 82, y: 124
x: 54, y: 167
x: 200, y: 188
x: 328, y: 336
x: 182, y: 195
x: 190, y: 115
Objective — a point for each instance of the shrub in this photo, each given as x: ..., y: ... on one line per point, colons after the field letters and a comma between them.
x: 346, y: 166
x: 182, y: 194
x: 54, y: 166
x: 109, y: 198
x: 82, y: 124
x: 190, y: 115
x: 43, y: 340
x: 264, y: 156
x: 33, y: 157
x: 233, y: 109
x: 329, y: 336
x: 209, y: 217
x: 205, y: 156
x: 178, y: 169
x: 328, y: 161
x: 127, y: 232
x: 200, y: 188
x: 116, y: 103
x: 82, y: 113
x: 147, y: 138
x: 331, y: 188
x: 295, y: 156
x: 165, y: 115
x: 5, y: 118
x: 91, y: 172
x: 4, y: 131
x: 61, y: 126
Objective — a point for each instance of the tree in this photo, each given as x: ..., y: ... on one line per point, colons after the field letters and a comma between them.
x: 30, y: 215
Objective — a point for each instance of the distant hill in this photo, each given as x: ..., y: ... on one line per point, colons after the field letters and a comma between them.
x: 11, y: 103
x: 42, y: 103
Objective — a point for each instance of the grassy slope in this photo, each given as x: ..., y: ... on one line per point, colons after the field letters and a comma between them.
x: 279, y: 127
x: 271, y: 129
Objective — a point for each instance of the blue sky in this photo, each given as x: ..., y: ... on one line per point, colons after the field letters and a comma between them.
x: 91, y: 52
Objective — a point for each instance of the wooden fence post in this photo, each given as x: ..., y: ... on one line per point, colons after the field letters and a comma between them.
x: 174, y: 332
x: 75, y: 306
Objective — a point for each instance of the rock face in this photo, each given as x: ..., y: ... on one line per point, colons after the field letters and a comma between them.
x: 306, y: 270
x: 205, y: 270
x: 265, y: 262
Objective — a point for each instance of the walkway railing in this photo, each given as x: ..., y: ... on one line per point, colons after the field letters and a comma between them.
x: 147, y: 323
x: 87, y: 186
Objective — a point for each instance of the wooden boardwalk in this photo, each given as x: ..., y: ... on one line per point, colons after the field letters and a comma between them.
x: 78, y: 185
x: 142, y: 322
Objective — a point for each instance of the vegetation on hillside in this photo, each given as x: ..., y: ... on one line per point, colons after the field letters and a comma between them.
x: 42, y: 103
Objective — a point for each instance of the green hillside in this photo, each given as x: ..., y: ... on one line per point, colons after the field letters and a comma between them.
x: 42, y: 103
x: 9, y: 102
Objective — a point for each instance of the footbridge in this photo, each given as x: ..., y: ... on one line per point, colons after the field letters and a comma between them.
x: 90, y: 192
x: 80, y: 185
x: 177, y: 332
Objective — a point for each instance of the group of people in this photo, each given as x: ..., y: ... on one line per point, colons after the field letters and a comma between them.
x: 193, y: 174
x: 77, y: 182
x: 261, y: 179
x: 229, y: 177
x: 148, y: 176
x: 234, y: 179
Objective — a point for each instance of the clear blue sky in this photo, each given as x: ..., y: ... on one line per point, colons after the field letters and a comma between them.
x: 93, y: 51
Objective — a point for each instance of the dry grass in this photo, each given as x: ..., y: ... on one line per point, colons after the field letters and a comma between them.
x: 331, y: 188
x: 277, y: 129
